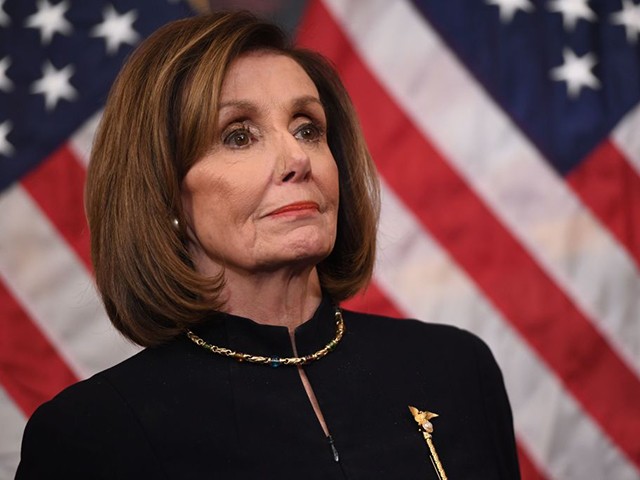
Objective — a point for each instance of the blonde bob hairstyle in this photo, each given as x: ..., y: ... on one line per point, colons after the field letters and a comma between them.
x: 159, y: 119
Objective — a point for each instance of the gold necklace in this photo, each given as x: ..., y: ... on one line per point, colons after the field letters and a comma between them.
x: 275, y: 361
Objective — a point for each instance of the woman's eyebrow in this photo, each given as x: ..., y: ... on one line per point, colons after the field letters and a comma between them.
x: 246, y: 106
x: 301, y: 102
x: 243, y: 105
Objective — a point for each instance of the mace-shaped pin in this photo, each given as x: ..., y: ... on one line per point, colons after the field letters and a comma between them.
x: 423, y: 418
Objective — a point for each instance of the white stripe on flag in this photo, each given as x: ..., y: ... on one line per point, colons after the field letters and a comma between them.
x: 54, y: 288
x: 13, y: 423
x: 499, y: 163
x: 627, y: 139
x: 81, y: 141
x: 414, y: 271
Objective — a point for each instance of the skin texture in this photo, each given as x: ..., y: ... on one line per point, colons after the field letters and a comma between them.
x: 262, y: 203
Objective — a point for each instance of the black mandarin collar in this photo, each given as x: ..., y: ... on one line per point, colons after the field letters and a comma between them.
x: 247, y: 336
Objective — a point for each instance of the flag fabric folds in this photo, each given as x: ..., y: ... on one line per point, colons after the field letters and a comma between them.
x: 504, y: 132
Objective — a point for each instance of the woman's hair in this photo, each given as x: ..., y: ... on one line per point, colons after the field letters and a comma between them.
x: 158, y: 121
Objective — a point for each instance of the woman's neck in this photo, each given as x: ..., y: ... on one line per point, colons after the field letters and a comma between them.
x: 285, y: 299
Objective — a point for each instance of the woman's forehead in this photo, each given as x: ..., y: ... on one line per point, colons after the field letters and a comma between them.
x: 263, y: 77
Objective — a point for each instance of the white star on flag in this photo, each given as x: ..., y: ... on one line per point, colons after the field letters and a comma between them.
x: 4, y: 18
x: 5, y: 84
x: 576, y: 71
x: 629, y: 16
x: 572, y: 11
x: 508, y: 8
x: 54, y: 85
x: 50, y: 20
x: 116, y: 29
x: 5, y: 147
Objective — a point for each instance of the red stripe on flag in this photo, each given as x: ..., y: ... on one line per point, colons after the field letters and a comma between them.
x: 373, y: 301
x: 611, y: 188
x: 57, y: 185
x: 31, y: 371
x: 528, y: 470
x: 480, y: 244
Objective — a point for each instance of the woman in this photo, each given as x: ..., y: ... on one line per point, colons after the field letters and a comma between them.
x: 232, y: 204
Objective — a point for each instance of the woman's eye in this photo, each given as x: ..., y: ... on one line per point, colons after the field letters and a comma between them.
x: 309, y: 132
x: 238, y: 138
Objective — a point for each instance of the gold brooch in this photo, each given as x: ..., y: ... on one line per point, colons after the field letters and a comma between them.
x: 426, y: 428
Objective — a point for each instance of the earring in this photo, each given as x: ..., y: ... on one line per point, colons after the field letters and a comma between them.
x: 175, y: 223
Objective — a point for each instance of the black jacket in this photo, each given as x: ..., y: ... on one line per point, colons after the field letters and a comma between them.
x: 181, y: 412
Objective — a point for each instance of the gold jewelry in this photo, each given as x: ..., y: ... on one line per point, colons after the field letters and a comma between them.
x: 275, y: 361
x: 426, y: 428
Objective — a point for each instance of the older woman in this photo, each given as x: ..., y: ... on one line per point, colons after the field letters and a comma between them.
x: 232, y: 205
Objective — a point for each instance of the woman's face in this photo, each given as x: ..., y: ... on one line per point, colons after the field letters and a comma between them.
x: 265, y: 196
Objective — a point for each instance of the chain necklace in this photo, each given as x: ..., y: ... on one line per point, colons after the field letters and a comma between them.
x: 275, y: 361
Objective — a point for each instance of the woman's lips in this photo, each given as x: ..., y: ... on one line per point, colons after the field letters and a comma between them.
x: 296, y: 207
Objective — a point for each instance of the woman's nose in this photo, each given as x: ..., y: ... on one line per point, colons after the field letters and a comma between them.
x: 293, y: 163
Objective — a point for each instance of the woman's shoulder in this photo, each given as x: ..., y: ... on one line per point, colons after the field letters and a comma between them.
x: 72, y: 432
x: 112, y: 385
x: 89, y: 402
x: 92, y: 400
x: 411, y: 343
x: 442, y: 367
x: 411, y: 331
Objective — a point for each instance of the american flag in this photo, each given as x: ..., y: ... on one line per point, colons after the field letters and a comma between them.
x: 504, y: 133
x: 58, y: 59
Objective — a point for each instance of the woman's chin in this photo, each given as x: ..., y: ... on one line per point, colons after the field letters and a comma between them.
x: 298, y: 256
x: 311, y: 242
